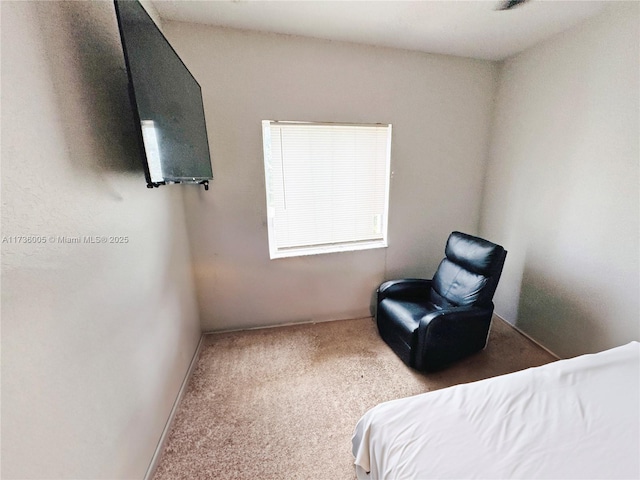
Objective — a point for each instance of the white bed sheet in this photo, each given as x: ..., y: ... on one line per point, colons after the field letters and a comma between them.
x: 571, y: 419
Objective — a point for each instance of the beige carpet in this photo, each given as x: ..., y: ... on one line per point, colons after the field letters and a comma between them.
x: 281, y: 403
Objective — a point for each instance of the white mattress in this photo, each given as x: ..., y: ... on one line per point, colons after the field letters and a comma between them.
x: 571, y: 419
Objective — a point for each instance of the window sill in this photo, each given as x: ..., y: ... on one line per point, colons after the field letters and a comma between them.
x: 320, y: 249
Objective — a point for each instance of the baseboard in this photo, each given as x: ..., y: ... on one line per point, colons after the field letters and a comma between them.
x: 289, y: 324
x: 167, y: 428
x: 528, y: 337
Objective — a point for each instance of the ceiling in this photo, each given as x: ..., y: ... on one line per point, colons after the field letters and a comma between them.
x: 464, y: 28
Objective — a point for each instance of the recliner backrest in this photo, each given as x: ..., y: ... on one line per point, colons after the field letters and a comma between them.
x: 469, y: 273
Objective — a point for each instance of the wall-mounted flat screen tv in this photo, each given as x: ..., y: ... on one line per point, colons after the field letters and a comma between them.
x: 167, y: 102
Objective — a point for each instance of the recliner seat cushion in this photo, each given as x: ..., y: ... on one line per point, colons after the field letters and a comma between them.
x: 398, y: 321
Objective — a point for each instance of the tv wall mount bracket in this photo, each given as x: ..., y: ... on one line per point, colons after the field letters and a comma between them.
x: 204, y: 183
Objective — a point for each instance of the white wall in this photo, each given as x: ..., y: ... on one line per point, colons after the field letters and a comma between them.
x: 563, y: 188
x: 96, y: 338
x: 440, y: 108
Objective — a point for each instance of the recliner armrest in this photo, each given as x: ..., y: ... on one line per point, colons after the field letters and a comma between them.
x: 448, y: 334
x: 454, y: 313
x: 405, y: 289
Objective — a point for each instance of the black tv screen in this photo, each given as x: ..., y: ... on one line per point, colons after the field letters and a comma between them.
x: 167, y: 102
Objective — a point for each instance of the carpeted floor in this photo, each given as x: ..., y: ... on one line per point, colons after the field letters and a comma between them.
x: 281, y: 403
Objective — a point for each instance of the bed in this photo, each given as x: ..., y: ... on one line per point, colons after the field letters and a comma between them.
x: 570, y: 419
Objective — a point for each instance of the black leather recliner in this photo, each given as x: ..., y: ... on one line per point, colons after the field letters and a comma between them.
x: 432, y: 323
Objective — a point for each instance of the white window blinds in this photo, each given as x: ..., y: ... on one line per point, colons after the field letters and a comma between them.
x: 327, y: 186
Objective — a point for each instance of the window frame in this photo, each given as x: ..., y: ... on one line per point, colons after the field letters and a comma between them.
x: 276, y: 252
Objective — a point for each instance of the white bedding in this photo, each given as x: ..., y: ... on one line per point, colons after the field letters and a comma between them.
x: 571, y: 419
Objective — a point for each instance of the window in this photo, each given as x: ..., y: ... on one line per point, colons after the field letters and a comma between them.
x: 327, y: 186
